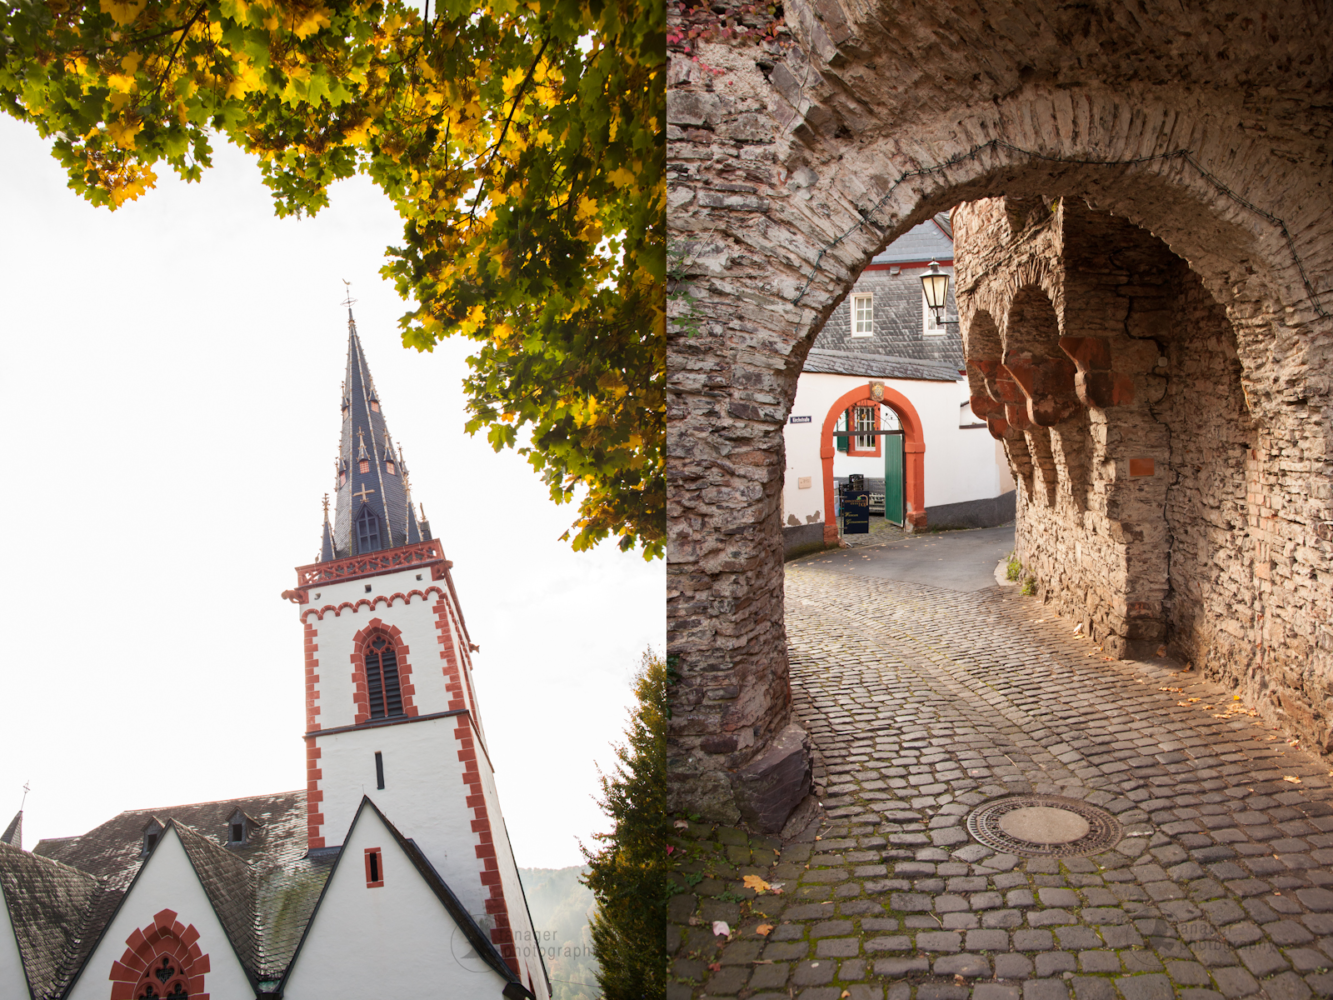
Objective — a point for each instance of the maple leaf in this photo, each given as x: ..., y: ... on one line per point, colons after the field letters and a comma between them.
x: 763, y: 930
x: 756, y: 883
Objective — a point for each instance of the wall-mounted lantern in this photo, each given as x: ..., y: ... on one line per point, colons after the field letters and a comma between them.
x: 936, y: 284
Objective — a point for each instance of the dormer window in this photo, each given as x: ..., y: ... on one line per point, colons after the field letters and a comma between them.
x: 238, y: 829
x: 365, y: 465
x: 342, y: 477
x: 375, y: 405
x: 151, y: 834
x: 367, y: 531
x: 389, y: 467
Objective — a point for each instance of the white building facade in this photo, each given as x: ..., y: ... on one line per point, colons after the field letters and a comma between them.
x: 883, y: 394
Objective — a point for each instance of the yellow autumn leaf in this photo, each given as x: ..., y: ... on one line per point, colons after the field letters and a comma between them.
x: 502, y: 332
x: 1292, y: 778
x: 513, y: 78
x: 123, y: 14
x: 311, y: 22
x: 123, y: 132
x: 764, y: 930
x: 621, y: 178
x: 246, y: 80
x: 755, y: 882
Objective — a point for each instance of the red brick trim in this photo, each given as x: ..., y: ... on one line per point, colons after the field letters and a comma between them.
x: 360, y: 642
x: 311, y: 678
x: 375, y: 883
x: 314, y: 817
x: 502, y: 935
x: 370, y: 603
x: 466, y: 733
x: 165, y: 938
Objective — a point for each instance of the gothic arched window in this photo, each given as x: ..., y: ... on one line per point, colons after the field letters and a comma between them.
x: 382, y: 687
x: 367, y: 531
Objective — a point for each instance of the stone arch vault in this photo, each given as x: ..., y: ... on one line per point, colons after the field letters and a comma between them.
x: 791, y: 164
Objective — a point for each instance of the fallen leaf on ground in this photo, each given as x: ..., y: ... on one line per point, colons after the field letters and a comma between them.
x: 756, y: 883
x: 681, y: 824
x: 958, y: 979
x: 1292, y: 778
x: 1161, y: 650
x: 1235, y: 697
x: 764, y: 930
x: 715, y: 967
x: 720, y: 927
x: 1193, y: 700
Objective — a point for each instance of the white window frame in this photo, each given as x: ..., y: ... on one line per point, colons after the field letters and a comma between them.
x: 929, y: 326
x: 864, y: 442
x: 863, y: 327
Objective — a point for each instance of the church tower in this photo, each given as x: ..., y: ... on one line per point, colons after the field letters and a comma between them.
x: 391, y: 712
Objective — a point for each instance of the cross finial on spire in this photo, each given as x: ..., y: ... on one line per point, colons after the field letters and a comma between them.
x: 24, y: 801
x: 326, y: 506
x: 349, y: 301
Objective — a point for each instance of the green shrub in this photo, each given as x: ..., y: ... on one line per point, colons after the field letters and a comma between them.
x: 1029, y: 586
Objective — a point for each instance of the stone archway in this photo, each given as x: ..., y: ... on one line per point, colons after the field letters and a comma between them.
x: 790, y: 169
x: 914, y: 451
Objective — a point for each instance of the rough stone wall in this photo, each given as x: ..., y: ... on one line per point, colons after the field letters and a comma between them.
x: 792, y: 163
x: 1115, y: 382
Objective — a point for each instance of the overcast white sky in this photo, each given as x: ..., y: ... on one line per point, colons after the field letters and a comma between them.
x: 171, y: 373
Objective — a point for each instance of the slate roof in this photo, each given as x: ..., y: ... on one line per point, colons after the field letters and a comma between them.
x: 932, y: 240
x: 263, y: 891
x: 13, y: 835
x: 365, y: 435
x: 48, y: 902
x: 877, y: 366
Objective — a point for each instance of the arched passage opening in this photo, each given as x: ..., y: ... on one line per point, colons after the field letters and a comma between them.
x: 914, y: 451
x: 790, y: 178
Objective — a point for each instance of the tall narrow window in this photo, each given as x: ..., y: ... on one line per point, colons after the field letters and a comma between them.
x: 386, y: 698
x: 379, y: 769
x: 865, y: 421
x: 367, y: 531
x: 932, y: 325
x: 374, y: 868
x: 863, y: 315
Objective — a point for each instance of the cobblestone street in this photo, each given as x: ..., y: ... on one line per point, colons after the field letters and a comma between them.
x: 924, y: 703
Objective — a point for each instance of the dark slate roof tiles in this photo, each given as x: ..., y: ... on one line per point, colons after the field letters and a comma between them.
x: 932, y: 240
x: 47, y: 902
x: 826, y: 362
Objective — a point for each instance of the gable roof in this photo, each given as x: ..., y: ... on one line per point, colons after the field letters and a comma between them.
x: 263, y: 891
x: 47, y: 903
x: 480, y: 942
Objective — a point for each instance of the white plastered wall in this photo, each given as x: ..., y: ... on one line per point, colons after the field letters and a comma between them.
x: 167, y: 882
x: 424, y: 795
x: 336, y: 631
x: 13, y: 980
x: 362, y: 939
x: 960, y: 464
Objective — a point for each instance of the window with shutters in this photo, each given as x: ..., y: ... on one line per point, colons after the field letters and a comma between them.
x: 383, y: 689
x: 367, y: 531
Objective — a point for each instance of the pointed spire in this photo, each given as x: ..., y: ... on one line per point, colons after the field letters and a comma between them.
x: 372, y: 510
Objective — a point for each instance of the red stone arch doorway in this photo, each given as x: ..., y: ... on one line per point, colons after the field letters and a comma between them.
x: 914, y: 451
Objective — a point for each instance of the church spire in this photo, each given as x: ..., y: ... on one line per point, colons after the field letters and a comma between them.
x: 371, y: 511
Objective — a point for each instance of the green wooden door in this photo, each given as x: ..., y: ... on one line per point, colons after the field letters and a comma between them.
x: 893, y: 478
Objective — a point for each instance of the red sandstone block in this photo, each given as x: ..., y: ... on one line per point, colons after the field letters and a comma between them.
x: 123, y: 991
x: 190, y: 936
x: 120, y: 972
x: 164, y: 918
x: 202, y: 966
x: 485, y: 850
x: 137, y: 941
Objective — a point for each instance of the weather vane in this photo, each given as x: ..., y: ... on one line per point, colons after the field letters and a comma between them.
x: 349, y: 301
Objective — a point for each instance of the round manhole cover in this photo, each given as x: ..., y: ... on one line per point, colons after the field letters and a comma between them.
x: 1044, y: 826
